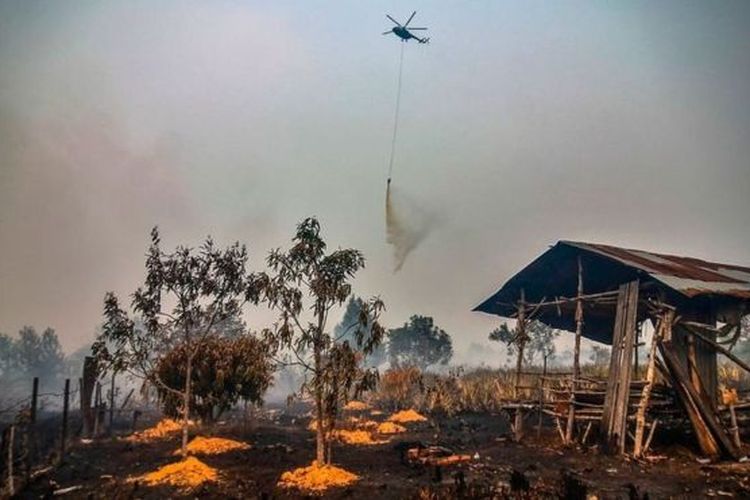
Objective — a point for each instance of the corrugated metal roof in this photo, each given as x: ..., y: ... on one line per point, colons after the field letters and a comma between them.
x: 689, y: 276
x: 605, y: 267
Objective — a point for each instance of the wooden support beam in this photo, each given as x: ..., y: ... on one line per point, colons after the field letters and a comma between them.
x: 712, y: 437
x: 576, y: 356
x: 719, y: 348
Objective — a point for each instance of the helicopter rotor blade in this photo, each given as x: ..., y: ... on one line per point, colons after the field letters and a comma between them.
x: 410, y: 18
x: 387, y: 32
x: 415, y: 29
x: 389, y: 17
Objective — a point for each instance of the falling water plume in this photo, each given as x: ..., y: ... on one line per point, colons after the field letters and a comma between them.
x: 406, y: 225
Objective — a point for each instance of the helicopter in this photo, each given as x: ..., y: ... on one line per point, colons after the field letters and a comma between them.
x: 404, y: 32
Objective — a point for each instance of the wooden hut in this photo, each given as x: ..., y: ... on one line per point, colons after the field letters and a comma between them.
x: 605, y: 293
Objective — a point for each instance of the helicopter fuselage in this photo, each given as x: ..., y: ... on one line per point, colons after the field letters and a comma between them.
x: 402, y: 33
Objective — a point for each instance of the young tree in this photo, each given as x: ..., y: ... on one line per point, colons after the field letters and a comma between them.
x: 419, y: 343
x: 306, y: 273
x: 540, y: 340
x: 185, y: 295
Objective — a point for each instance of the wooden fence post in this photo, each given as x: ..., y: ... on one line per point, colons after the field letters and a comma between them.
x: 66, y: 402
x: 97, y: 404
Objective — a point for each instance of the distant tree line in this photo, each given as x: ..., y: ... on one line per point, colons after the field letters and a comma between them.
x: 31, y: 354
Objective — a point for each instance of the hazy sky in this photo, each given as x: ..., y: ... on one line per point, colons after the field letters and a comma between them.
x: 522, y: 123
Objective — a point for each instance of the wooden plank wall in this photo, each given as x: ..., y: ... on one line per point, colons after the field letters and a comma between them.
x: 614, y: 418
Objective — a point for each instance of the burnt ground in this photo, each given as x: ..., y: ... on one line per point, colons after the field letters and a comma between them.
x: 538, y: 468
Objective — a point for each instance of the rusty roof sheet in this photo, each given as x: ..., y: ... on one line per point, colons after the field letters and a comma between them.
x: 689, y: 276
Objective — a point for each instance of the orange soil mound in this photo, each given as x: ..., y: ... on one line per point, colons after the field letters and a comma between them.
x: 213, y: 446
x: 165, y: 428
x: 186, y: 474
x: 356, y: 406
x: 358, y: 437
x: 390, y: 428
x: 317, y: 479
x: 406, y: 416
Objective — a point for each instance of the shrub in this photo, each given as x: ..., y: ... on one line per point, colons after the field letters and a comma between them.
x: 224, y: 371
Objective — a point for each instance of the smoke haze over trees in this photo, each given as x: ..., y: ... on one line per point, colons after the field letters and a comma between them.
x: 419, y: 343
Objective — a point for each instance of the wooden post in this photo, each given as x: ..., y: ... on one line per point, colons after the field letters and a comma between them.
x: 520, y: 344
x: 97, y: 404
x: 64, y: 433
x: 34, y: 399
x: 11, y: 438
x: 665, y: 322
x: 692, y: 364
x: 541, y: 396
x: 88, y: 383
x: 576, y: 356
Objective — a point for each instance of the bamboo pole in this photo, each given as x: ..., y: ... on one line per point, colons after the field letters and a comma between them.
x: 665, y: 322
x: 650, y: 435
x: 576, y: 356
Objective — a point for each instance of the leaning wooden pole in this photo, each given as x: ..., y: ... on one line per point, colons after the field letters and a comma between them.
x: 576, y: 356
x: 664, y: 323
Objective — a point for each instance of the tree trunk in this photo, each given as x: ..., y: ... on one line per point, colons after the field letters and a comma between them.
x: 320, y: 448
x: 186, y: 406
